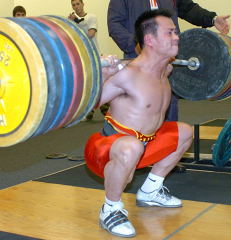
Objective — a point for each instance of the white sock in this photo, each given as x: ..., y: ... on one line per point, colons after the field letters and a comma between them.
x: 109, y: 204
x: 152, y: 183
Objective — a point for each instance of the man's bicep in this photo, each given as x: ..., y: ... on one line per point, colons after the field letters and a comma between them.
x: 92, y: 22
x: 109, y: 92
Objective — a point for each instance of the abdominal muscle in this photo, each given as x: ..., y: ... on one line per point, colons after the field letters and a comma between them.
x: 142, y: 111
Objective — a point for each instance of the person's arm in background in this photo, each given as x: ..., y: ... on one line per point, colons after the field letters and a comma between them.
x: 91, y: 32
x: 193, y: 13
x: 117, y: 19
x: 92, y: 26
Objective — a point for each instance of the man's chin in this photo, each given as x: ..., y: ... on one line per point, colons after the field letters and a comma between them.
x: 175, y: 52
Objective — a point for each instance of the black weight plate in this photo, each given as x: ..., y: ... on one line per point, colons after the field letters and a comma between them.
x: 75, y: 158
x: 215, y: 64
x: 222, y: 147
x: 56, y: 155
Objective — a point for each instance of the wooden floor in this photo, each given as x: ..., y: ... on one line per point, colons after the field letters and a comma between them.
x: 58, y: 212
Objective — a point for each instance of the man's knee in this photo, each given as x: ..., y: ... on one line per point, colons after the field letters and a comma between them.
x: 185, y: 133
x: 127, y: 151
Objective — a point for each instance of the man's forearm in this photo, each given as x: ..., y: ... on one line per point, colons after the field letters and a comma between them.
x: 193, y: 13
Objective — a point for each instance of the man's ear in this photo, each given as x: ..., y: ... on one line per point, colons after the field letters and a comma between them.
x: 148, y: 39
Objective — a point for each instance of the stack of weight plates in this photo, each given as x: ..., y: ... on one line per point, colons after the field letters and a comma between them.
x: 50, y: 76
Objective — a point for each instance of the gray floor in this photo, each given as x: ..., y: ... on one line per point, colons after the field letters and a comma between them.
x: 27, y: 161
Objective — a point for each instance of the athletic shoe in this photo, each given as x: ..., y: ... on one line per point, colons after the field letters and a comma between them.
x: 160, y: 197
x: 115, y: 221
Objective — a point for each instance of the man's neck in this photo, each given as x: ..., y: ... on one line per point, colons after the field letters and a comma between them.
x: 153, y: 63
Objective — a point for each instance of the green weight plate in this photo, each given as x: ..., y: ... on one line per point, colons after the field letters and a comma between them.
x: 222, y: 147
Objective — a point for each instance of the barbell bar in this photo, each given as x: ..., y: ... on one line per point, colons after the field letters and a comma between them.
x: 193, y: 63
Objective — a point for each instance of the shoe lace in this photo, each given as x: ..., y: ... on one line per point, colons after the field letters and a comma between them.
x: 124, y: 211
x: 120, y: 209
x: 164, y: 193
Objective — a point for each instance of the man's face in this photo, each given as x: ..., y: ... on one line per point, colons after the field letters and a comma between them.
x: 20, y: 14
x: 167, y: 38
x: 77, y: 6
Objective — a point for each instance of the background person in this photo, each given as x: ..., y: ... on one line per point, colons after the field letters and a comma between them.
x: 19, y: 11
x: 86, y: 21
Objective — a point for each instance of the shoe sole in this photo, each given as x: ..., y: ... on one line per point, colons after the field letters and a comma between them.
x: 102, y: 225
x: 155, y: 204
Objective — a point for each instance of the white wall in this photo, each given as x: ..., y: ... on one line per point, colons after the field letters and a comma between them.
x: 98, y: 7
x: 6, y: 7
x: 63, y: 8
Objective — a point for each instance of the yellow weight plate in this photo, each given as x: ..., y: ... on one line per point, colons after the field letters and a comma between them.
x: 14, y: 94
x: 23, y: 84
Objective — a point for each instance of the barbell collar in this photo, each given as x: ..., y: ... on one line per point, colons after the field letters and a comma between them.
x: 193, y: 63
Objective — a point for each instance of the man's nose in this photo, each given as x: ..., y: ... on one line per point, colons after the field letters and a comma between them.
x: 176, y: 36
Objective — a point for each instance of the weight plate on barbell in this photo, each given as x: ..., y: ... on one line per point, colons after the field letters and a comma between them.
x: 58, y: 69
x: 86, y: 60
x: 65, y: 67
x: 76, y: 68
x: 213, y: 75
x: 23, y: 88
x: 224, y: 96
x: 96, y: 67
x: 97, y: 75
x: 222, y: 147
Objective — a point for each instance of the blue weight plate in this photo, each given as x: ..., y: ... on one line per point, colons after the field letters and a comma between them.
x: 222, y: 147
x: 86, y: 63
x: 59, y: 72
x: 95, y: 62
x: 76, y: 67
x: 67, y: 77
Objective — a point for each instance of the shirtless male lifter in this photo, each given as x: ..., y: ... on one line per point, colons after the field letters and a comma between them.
x: 135, y: 134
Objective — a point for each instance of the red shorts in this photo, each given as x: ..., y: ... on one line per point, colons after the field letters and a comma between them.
x: 98, y: 147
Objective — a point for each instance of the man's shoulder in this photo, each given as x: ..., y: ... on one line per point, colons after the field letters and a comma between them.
x: 90, y: 15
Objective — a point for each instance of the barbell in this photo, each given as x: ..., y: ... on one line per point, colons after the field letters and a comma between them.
x: 50, y: 74
x: 192, y: 63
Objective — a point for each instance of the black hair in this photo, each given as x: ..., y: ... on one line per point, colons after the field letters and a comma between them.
x: 146, y: 23
x: 79, y: 0
x: 19, y: 9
